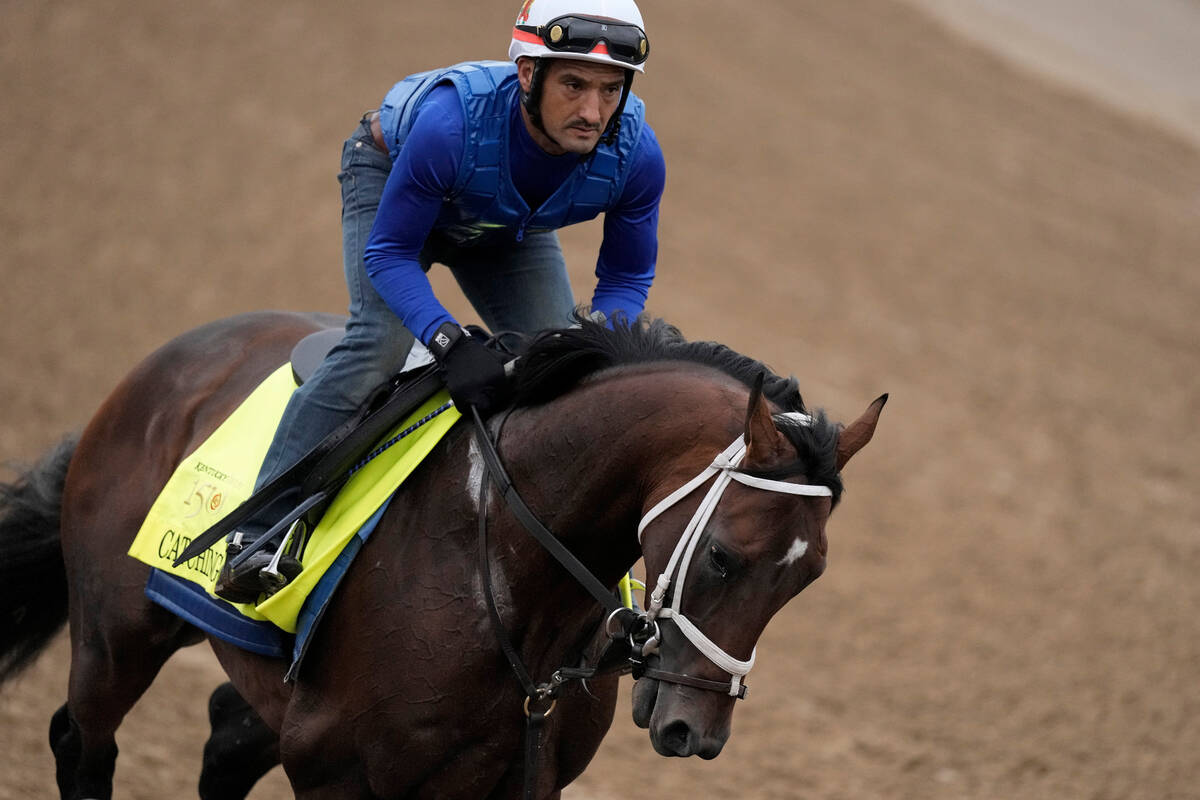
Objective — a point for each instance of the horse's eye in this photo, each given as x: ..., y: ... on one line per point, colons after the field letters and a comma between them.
x: 719, y: 561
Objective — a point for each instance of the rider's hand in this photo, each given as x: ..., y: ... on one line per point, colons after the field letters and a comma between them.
x: 474, y: 374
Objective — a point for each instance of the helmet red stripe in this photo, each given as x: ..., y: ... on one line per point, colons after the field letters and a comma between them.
x: 525, y: 36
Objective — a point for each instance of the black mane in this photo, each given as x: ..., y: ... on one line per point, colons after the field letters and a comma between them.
x: 556, y: 361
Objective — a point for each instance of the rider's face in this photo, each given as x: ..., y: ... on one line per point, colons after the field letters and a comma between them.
x: 578, y: 100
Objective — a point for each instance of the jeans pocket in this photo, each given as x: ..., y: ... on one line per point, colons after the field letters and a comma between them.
x: 363, y: 165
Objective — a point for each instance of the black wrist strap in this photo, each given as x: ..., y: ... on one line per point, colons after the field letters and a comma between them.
x: 444, y: 338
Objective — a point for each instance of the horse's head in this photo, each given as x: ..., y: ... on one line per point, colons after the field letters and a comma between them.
x: 753, y: 537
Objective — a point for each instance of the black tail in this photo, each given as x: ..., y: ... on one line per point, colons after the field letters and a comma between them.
x: 33, y: 580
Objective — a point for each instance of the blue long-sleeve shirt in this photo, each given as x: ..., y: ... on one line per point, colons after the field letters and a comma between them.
x: 426, y: 169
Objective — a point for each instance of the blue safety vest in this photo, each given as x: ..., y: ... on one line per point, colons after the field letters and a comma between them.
x: 483, y: 197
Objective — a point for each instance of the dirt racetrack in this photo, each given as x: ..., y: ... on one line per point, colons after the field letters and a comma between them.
x: 856, y: 197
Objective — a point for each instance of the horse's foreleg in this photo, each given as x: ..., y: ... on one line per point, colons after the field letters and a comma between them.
x: 324, y: 772
x: 241, y: 749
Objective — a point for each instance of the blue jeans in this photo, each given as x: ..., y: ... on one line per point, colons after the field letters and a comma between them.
x: 514, y: 286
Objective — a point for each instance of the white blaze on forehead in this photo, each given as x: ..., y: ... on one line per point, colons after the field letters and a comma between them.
x: 794, y: 553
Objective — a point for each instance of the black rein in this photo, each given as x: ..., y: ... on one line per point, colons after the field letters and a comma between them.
x: 633, y: 625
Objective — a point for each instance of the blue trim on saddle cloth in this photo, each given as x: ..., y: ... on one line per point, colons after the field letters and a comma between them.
x: 188, y: 601
x: 191, y: 603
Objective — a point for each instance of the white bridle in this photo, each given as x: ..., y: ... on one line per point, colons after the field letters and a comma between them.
x: 724, y: 467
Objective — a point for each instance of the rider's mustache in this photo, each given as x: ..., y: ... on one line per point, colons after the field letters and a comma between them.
x: 584, y: 124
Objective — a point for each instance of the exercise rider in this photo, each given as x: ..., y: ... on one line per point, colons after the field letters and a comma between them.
x: 475, y: 166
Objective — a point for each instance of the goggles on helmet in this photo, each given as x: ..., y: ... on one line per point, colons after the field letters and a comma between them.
x: 623, y: 41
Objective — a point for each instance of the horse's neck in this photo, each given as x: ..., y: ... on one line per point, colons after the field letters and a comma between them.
x: 588, y: 462
x: 587, y: 465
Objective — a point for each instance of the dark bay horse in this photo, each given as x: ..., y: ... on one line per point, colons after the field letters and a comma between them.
x: 405, y: 692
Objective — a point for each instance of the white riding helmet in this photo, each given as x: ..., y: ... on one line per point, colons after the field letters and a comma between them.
x: 604, y: 31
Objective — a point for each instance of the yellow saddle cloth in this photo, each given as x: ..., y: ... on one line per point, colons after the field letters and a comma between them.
x: 220, y: 475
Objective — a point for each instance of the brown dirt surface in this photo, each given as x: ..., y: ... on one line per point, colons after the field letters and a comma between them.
x: 855, y: 196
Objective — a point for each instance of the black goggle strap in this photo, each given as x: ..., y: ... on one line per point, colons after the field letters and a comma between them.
x: 622, y: 41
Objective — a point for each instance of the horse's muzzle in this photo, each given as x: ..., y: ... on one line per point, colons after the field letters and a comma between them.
x: 678, y: 738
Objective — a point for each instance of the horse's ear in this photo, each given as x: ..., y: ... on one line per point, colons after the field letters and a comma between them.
x: 761, y: 435
x: 855, y: 436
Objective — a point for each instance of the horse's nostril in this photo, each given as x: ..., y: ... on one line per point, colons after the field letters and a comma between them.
x: 676, y: 738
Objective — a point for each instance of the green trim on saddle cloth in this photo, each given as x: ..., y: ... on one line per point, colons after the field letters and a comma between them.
x: 220, y: 474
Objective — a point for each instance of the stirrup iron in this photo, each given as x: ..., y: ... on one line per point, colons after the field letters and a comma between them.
x: 293, y: 544
x: 288, y: 521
